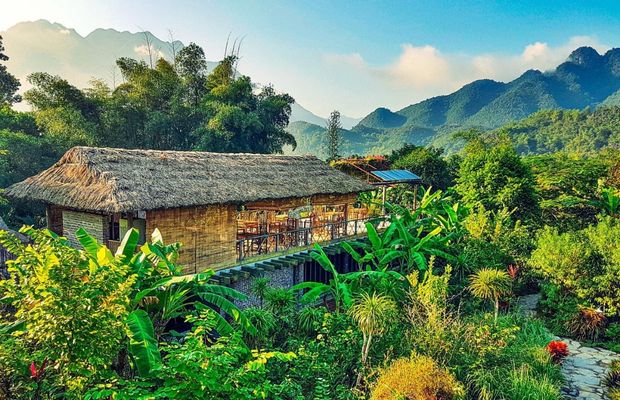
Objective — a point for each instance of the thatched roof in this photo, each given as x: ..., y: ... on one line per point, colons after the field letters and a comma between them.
x: 120, y: 180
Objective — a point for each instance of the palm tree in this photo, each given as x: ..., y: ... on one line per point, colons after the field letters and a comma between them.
x: 490, y: 284
x: 371, y: 312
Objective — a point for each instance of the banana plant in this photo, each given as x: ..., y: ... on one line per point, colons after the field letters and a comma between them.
x: 337, y: 288
x: 143, y: 345
x: 608, y: 203
x: 161, y: 293
x: 379, y: 253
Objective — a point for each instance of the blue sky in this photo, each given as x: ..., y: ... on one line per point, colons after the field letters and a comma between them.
x: 352, y: 55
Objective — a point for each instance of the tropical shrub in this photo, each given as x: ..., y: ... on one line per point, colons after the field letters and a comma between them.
x: 371, y: 312
x: 493, y: 175
x: 585, y: 264
x: 524, y: 384
x: 264, y: 323
x: 490, y: 284
x: 416, y: 378
x: 587, y: 324
x: 612, y: 381
x: 434, y: 328
x: 492, y: 356
x: 566, y: 183
x: 201, y: 368
x: 69, y: 312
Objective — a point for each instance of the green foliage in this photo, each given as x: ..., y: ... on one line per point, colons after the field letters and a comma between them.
x: 493, y: 175
x: 372, y: 314
x: 72, y: 308
x: 332, y: 132
x: 427, y: 163
x: 567, y: 185
x: 493, y: 357
x: 142, y: 342
x: 337, y: 288
x: 9, y: 84
x: 576, y: 131
x: 490, y: 284
x: 585, y: 263
x: 433, y: 327
x: 264, y: 323
x: 199, y: 368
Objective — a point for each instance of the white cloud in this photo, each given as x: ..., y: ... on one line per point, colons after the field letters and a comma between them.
x: 143, y: 50
x: 64, y: 31
x: 430, y: 72
x: 418, y: 66
x: 354, y: 60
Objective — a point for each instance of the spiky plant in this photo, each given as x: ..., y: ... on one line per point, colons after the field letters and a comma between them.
x: 612, y: 381
x: 371, y: 312
x: 587, y: 323
x: 490, y: 284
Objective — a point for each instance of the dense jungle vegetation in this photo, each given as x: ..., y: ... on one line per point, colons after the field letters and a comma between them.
x: 431, y: 312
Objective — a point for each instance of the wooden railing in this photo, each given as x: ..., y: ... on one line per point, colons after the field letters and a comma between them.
x: 274, y: 242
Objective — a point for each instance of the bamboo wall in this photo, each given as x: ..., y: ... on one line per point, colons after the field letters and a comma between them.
x: 208, y: 234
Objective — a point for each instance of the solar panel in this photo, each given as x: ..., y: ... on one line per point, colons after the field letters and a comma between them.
x: 397, y: 175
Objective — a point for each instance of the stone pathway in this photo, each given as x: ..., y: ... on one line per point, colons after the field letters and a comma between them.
x: 584, y: 370
x: 585, y: 367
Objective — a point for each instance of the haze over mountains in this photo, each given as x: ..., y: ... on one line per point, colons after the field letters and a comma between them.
x: 51, y: 47
x: 586, y: 79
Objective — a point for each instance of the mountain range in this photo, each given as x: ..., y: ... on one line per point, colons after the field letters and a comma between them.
x: 585, y: 79
x: 43, y: 46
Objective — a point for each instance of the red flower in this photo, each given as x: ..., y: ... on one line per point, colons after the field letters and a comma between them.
x: 513, y: 270
x: 558, y: 350
x: 36, y: 374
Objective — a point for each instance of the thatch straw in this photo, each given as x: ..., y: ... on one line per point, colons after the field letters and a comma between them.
x: 120, y: 180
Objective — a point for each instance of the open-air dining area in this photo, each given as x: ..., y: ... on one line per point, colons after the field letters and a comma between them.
x: 265, y: 230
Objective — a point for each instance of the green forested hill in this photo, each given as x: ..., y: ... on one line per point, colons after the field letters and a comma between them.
x: 586, y: 79
x: 571, y: 130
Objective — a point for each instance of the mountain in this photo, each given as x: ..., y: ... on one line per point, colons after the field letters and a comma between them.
x: 300, y: 114
x: 586, y: 79
x: 43, y: 46
x: 53, y: 48
x: 311, y: 140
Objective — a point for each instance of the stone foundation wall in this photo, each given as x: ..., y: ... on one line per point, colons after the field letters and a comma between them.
x: 284, y: 278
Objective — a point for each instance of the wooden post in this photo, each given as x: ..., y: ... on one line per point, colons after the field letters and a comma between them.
x: 415, y: 197
x: 383, y: 203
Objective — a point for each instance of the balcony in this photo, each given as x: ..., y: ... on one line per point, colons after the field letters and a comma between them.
x: 257, y: 245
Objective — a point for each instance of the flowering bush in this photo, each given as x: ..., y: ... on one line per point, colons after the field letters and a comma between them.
x: 558, y: 350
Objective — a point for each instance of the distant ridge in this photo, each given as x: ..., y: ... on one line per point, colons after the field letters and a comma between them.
x: 586, y: 79
x: 43, y: 46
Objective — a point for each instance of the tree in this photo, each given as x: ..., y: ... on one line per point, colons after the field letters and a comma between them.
x: 9, y: 84
x: 191, y: 65
x: 493, y: 174
x: 333, y: 135
x: 490, y: 284
x: 426, y: 162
